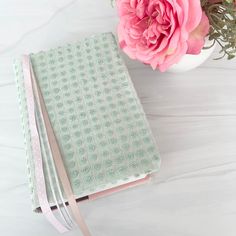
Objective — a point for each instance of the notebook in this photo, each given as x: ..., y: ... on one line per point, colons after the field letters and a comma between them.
x: 96, y: 118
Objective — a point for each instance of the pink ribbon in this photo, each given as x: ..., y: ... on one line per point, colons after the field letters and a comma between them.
x: 36, y: 151
x: 31, y: 90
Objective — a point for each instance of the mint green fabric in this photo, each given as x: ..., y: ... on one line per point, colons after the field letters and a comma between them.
x: 96, y: 115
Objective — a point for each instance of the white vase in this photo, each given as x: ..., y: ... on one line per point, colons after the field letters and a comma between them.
x: 189, y: 62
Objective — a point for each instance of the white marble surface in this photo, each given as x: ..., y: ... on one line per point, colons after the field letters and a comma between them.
x: 192, y: 115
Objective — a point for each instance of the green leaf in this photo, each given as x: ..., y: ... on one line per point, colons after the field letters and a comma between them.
x: 230, y: 57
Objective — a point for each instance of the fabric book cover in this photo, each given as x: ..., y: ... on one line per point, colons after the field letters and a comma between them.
x: 96, y: 116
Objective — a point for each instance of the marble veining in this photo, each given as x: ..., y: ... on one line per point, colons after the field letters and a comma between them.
x: 192, y: 116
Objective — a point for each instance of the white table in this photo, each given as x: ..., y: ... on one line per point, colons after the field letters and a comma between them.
x: 192, y: 115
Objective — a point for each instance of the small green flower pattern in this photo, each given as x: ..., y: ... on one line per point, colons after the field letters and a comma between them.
x: 95, y: 113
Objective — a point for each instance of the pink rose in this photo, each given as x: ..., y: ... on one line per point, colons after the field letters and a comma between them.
x: 157, y: 32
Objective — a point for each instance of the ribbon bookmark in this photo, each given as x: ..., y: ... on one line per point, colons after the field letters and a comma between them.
x: 57, y: 157
x: 36, y: 150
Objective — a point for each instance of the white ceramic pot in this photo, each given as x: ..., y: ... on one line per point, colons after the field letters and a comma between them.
x: 189, y: 62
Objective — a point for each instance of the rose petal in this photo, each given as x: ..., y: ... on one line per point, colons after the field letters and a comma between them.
x: 196, y: 38
x: 194, y: 15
